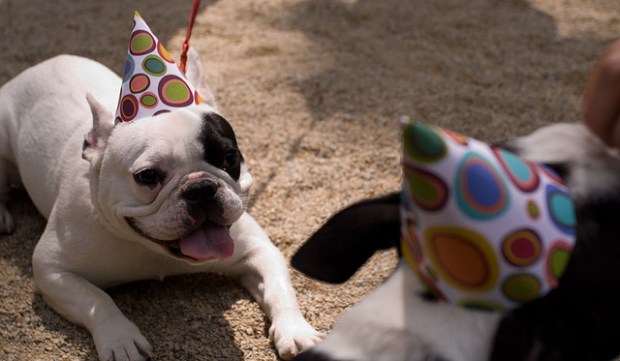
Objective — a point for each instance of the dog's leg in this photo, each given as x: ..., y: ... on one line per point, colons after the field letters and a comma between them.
x: 6, y: 220
x: 263, y: 272
x: 116, y: 338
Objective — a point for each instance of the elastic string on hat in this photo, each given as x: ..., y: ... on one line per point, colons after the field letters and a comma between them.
x: 188, y: 33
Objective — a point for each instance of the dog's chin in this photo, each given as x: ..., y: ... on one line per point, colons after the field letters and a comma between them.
x: 210, y: 241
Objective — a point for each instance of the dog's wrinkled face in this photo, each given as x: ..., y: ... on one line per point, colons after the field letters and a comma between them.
x: 175, y: 182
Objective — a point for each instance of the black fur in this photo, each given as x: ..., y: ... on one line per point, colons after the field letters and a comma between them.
x: 312, y: 355
x: 561, y: 169
x: 200, y: 193
x: 349, y: 238
x: 220, y: 144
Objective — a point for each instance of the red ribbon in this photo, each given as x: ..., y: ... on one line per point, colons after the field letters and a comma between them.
x: 188, y: 33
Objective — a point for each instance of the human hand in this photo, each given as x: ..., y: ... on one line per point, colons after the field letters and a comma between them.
x: 601, y: 99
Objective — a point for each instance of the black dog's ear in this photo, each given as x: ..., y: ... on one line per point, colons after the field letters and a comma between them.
x: 342, y: 245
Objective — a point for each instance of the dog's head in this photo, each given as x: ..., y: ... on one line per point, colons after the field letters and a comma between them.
x: 576, y: 321
x: 174, y: 181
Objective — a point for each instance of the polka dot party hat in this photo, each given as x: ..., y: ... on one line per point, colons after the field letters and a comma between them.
x: 152, y: 82
x: 481, y: 227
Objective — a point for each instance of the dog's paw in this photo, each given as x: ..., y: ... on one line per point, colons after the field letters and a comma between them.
x: 6, y: 220
x: 120, y: 340
x: 293, y: 335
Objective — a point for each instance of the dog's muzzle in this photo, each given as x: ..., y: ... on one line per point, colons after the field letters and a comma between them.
x: 201, y: 192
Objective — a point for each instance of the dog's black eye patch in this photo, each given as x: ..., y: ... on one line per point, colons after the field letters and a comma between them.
x: 231, y: 159
x: 220, y: 144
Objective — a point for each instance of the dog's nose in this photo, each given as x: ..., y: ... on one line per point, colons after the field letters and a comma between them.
x: 200, y: 192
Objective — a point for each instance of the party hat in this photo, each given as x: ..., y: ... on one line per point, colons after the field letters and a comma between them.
x: 482, y: 227
x: 152, y: 82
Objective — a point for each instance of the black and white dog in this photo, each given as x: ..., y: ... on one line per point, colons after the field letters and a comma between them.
x: 579, y: 320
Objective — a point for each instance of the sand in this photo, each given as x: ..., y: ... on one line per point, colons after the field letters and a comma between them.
x: 313, y: 89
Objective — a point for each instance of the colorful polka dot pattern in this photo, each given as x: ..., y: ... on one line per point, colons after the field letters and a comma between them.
x: 482, y: 227
x: 152, y: 83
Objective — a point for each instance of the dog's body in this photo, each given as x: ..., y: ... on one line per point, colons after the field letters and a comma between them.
x: 163, y: 195
x: 398, y: 321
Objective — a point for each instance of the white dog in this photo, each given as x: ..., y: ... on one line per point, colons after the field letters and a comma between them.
x: 399, y: 321
x: 161, y: 196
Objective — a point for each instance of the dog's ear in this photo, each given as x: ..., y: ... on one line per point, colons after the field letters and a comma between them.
x: 196, y: 75
x: 103, y: 122
x: 346, y: 241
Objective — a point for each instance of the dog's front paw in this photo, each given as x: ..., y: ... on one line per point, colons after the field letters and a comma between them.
x: 120, y: 340
x: 292, y: 335
x: 6, y: 220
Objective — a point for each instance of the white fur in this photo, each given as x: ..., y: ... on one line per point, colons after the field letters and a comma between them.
x: 594, y: 167
x: 87, y: 245
x: 394, y: 322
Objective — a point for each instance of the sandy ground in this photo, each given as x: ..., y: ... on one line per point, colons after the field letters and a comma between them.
x: 313, y: 88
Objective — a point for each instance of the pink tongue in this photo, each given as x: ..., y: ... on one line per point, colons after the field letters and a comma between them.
x: 209, y: 241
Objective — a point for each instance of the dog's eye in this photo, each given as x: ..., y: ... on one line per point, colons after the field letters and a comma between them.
x: 148, y: 177
x: 231, y: 157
